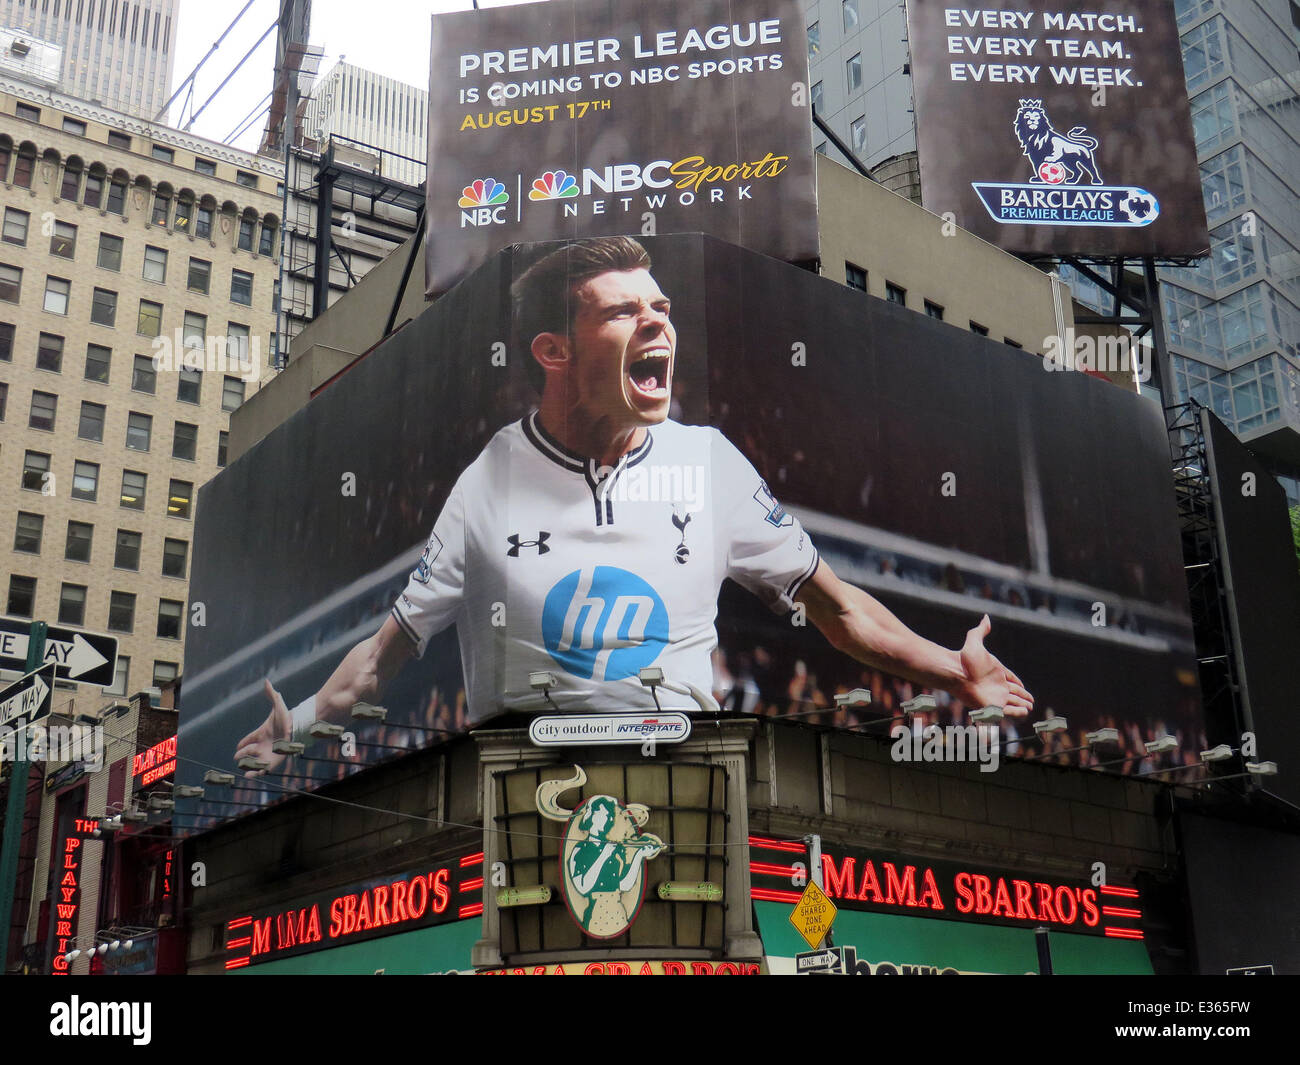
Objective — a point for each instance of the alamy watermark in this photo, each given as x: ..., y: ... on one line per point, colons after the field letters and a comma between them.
x: 1086, y: 353
x: 681, y: 485
x: 54, y: 743
x: 239, y: 355
x: 947, y: 743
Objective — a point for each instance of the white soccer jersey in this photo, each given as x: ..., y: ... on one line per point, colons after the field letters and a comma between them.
x: 547, y: 562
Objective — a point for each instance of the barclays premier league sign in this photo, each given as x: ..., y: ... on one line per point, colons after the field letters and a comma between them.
x: 1057, y: 129
x: 579, y: 118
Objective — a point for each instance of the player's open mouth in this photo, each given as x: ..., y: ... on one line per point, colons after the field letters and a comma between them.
x: 649, y: 374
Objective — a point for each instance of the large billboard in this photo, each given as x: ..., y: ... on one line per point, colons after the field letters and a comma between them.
x: 1057, y: 131
x: 590, y: 117
x: 769, y: 487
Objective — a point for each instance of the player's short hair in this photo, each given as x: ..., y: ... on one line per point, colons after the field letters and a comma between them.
x: 543, y: 297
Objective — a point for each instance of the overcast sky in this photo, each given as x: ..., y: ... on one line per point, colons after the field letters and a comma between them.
x: 387, y: 36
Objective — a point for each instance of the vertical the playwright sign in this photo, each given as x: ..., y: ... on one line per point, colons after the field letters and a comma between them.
x: 579, y: 118
x: 1057, y: 129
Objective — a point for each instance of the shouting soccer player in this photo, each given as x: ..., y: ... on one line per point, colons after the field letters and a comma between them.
x: 594, y: 535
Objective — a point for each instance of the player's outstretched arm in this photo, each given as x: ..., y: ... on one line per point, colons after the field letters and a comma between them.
x: 361, y: 677
x: 865, y: 629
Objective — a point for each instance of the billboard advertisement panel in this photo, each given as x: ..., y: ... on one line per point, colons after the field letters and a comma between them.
x: 588, y: 117
x: 1057, y: 131
x: 589, y: 460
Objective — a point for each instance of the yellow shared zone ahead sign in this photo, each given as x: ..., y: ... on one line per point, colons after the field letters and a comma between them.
x: 813, y: 915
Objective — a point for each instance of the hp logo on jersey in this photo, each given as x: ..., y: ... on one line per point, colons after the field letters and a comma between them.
x: 604, y: 623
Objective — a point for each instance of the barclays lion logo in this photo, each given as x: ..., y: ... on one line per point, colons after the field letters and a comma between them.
x: 1065, y: 186
x: 602, y: 857
x: 1057, y: 158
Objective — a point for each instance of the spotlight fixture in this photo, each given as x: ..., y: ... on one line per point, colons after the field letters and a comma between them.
x: 1052, y: 724
x: 542, y: 681
x: 988, y: 715
x: 919, y: 704
x: 1221, y: 753
x: 857, y: 697
x: 1102, y: 735
x: 287, y: 747
x: 325, y: 730
x: 366, y: 712
x: 214, y: 776
x: 1161, y: 744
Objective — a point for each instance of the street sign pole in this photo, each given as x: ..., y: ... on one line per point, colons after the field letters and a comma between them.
x: 17, y: 805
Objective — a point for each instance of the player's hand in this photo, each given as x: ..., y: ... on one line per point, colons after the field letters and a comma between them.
x: 257, y: 744
x: 986, y: 681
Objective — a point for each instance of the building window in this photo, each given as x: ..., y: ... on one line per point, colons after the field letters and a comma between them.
x: 933, y: 310
x: 1012, y: 343
x: 77, y: 546
x: 43, y: 412
x: 126, y: 555
x: 71, y: 183
x: 144, y: 376
x: 27, y: 111
x: 94, y: 190
x: 71, y: 125
x: 196, y: 329
x: 139, y: 428
x: 189, y: 386
x: 121, y: 612
x: 205, y: 166
x: 185, y: 440
x: 117, y: 197
x: 63, y: 241
x: 15, y: 228
x: 855, y: 277
x: 241, y: 287
x: 180, y: 498
x: 133, y: 486
x: 22, y: 596
x: 895, y: 294
x: 169, y: 619
x: 859, y: 133
x: 72, y: 604
x: 85, y: 481
x: 853, y: 71
x: 6, y: 342
x: 155, y: 264
x: 49, y: 353
x: 164, y: 673
x: 103, y: 307
x: 267, y: 245
x: 121, y: 677
x: 24, y: 167
x: 200, y: 275
x: 110, y: 252
x: 4, y: 399
x: 118, y: 140
x: 149, y: 321
x: 11, y: 283
x: 57, y: 292
x: 162, y: 205
x: 223, y: 447
x: 817, y: 98
x: 203, y: 222
x: 184, y: 212
x: 979, y: 330
x: 232, y: 393
x: 246, y: 227
x: 814, y: 40
x: 27, y: 536
x: 174, y: 558
x: 237, y: 342
x: 850, y: 9
x: 244, y: 178
x: 98, y: 359
x: 36, y: 471
x: 91, y: 426
x: 165, y: 155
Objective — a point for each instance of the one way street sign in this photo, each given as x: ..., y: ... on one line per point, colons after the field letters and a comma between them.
x: 86, y: 657
x: 27, y: 700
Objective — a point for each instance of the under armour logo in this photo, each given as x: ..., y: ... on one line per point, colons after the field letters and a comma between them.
x: 539, y: 543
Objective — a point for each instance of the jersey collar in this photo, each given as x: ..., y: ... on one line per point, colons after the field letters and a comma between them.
x: 571, y: 460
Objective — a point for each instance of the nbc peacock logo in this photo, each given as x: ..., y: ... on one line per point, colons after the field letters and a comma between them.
x: 482, y: 203
x: 554, y: 185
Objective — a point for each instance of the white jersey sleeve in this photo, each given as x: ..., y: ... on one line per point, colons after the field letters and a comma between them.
x: 436, y: 588
x: 768, y: 551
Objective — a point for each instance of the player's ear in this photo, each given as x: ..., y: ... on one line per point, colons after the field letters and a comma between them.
x: 551, y: 350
